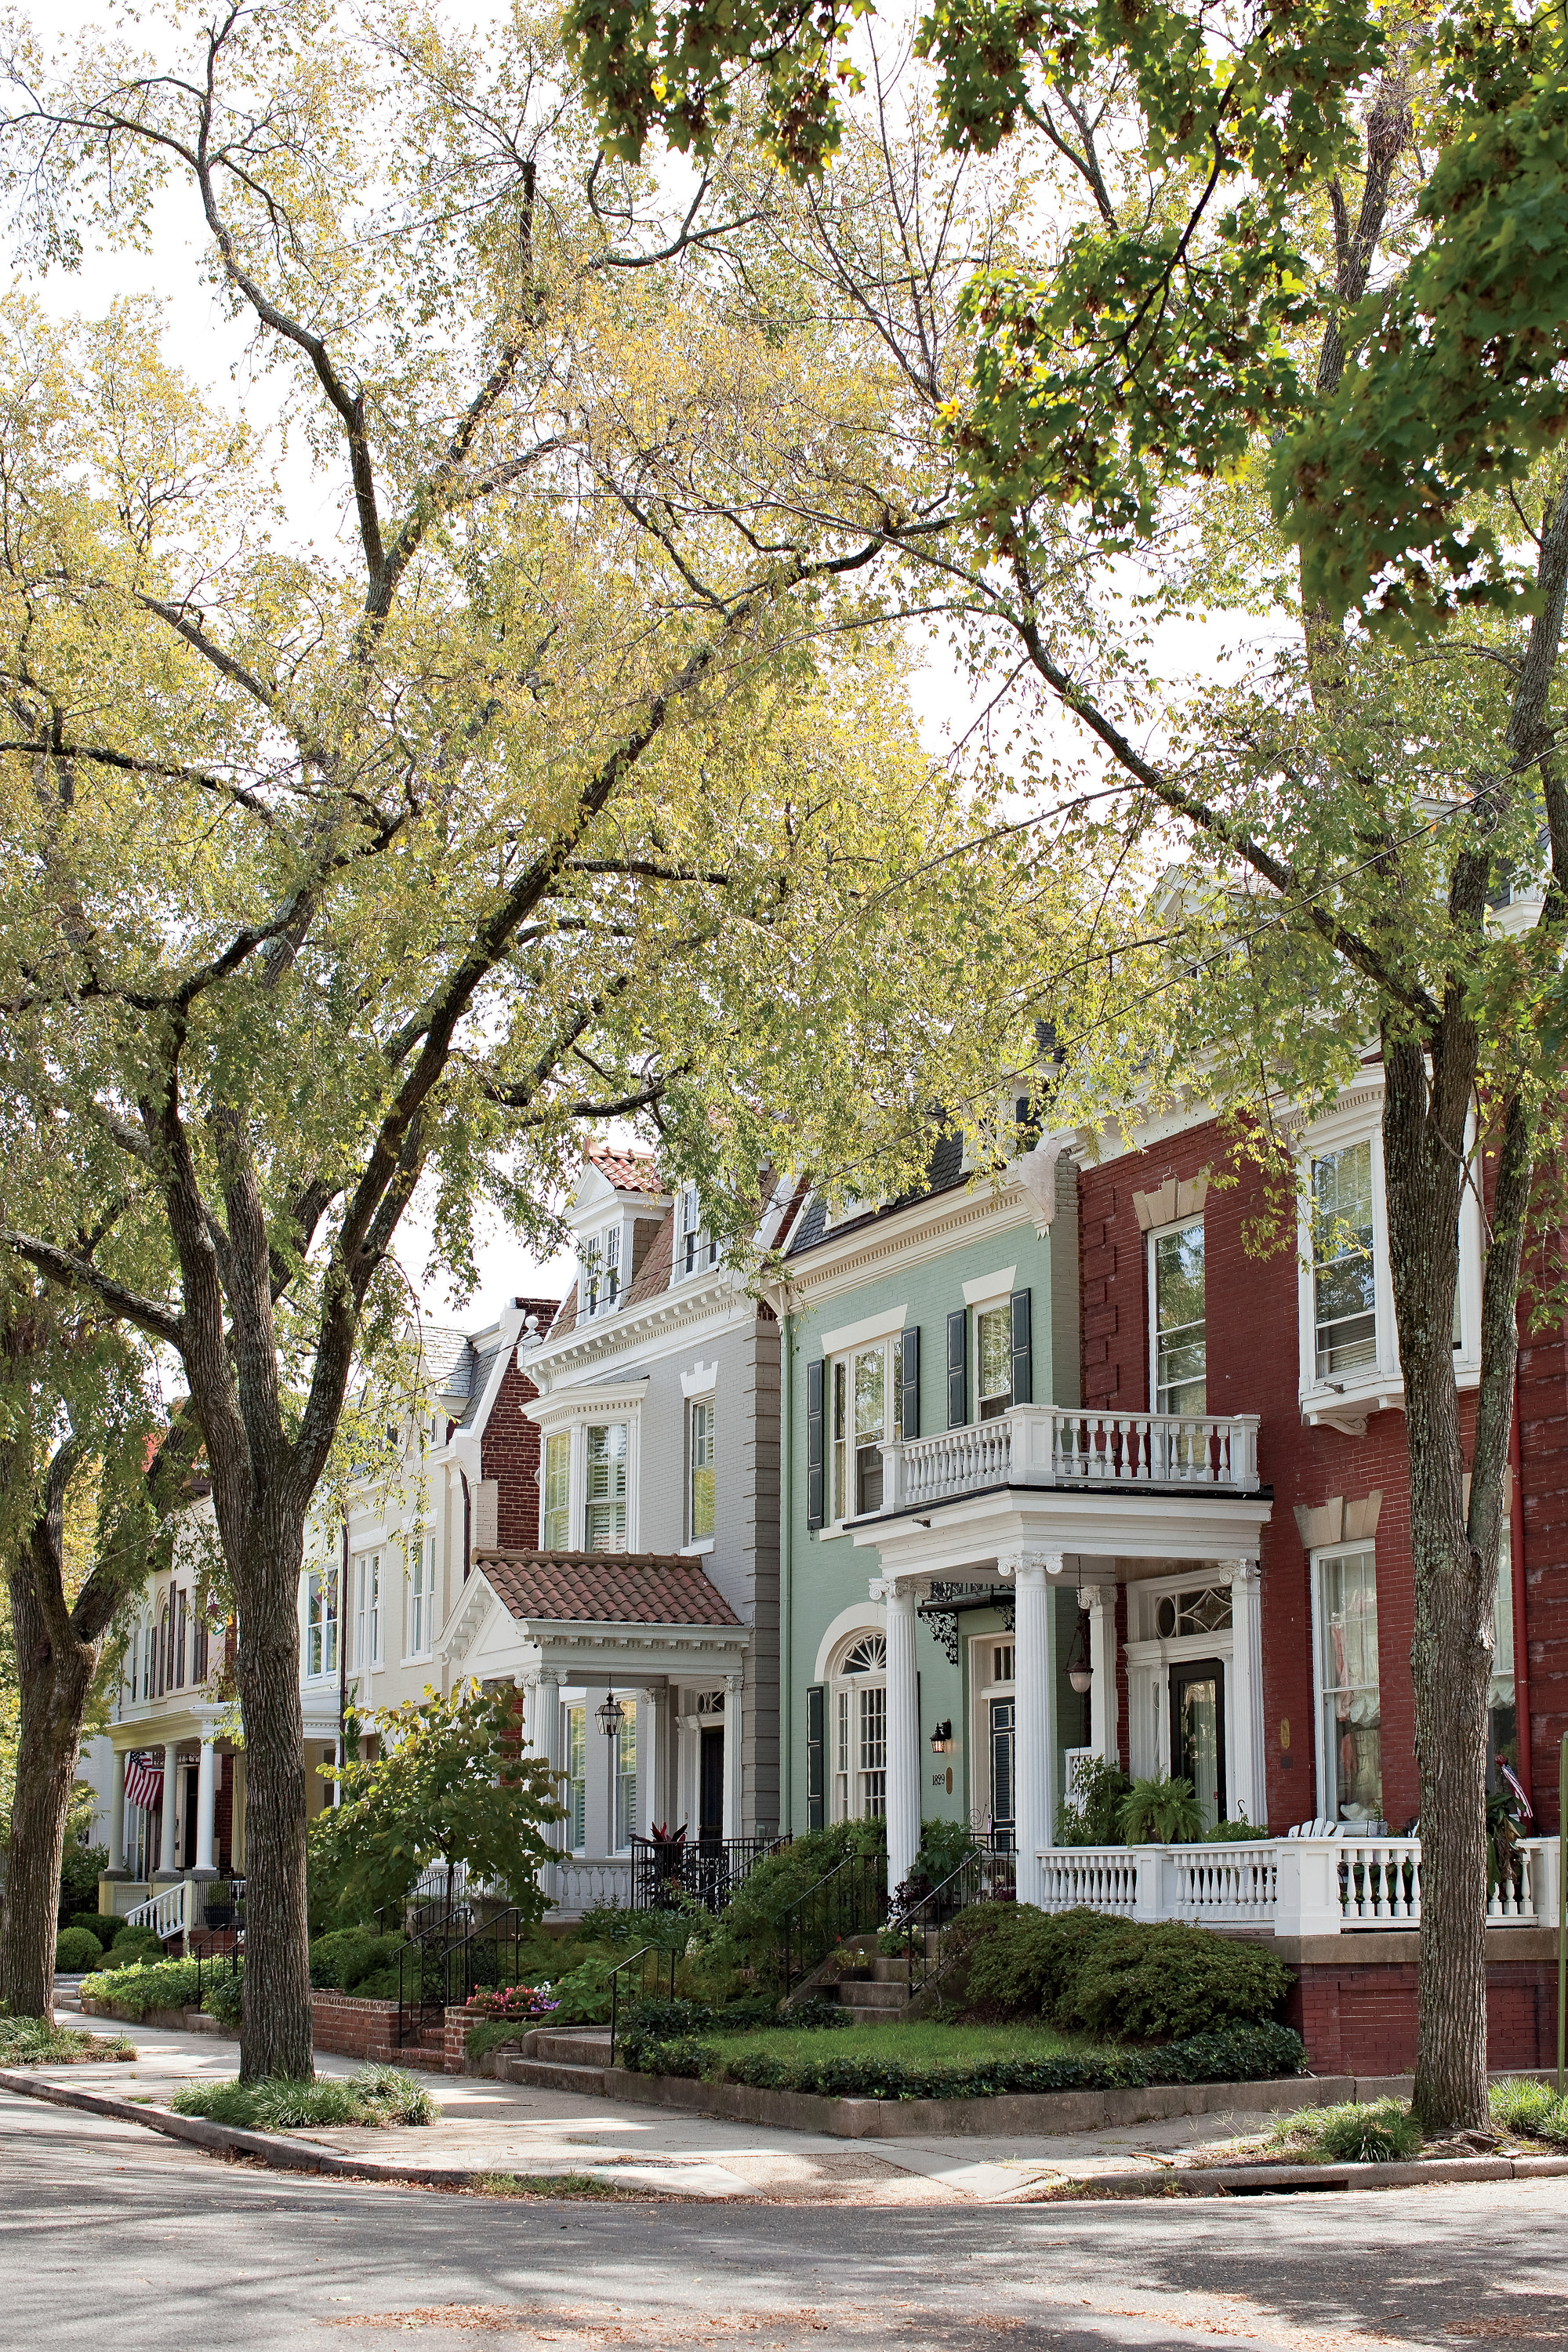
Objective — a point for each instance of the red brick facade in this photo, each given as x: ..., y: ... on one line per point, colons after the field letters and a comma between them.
x: 509, y: 1447
x: 1359, y: 2018
x: 1252, y: 1307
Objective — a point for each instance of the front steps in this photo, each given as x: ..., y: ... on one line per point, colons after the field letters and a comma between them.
x: 881, y: 1998
x: 560, y: 2060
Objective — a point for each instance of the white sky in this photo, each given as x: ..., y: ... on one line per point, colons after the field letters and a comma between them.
x: 201, y: 338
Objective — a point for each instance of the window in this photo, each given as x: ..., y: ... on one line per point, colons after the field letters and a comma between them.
x: 1351, y: 1717
x: 165, y: 1650
x: 605, y: 1488
x: 1205, y: 1612
x: 421, y: 1593
x: 696, y: 1247
x: 626, y: 1776
x: 1343, y: 1301
x: 859, y: 1425
x: 700, y: 1448
x: 1002, y: 1663
x: 1176, y: 1290
x: 860, y: 1731
x: 367, y: 1618
x: 182, y: 1621
x: 600, y: 1273
x: 322, y: 1621
x: 1502, y: 1709
x: 558, y: 1492
x: 199, y: 1641
x: 993, y: 1361
x: 577, y: 1776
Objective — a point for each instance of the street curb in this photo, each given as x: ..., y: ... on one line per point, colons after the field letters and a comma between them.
x: 1224, y: 2181
x: 269, y: 2148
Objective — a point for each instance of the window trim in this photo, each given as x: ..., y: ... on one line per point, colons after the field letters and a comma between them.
x: 1328, y: 1809
x: 701, y: 1540
x: 570, y: 1415
x: 322, y: 1578
x: 1155, y: 1235
x: 886, y: 1344
x: 842, y: 1687
x: 977, y: 1312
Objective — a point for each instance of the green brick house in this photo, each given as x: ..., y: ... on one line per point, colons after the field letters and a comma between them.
x: 933, y: 1318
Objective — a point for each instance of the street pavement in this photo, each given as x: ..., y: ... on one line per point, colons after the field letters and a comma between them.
x: 109, y: 2233
x: 493, y: 2126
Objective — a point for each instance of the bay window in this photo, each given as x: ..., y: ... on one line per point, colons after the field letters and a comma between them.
x: 1352, y: 1716
x: 1344, y: 1305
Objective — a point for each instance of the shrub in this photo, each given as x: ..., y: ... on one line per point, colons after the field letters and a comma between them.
x: 1094, y: 1816
x: 166, y: 1984
x: 582, y: 1994
x: 1533, y: 2109
x: 1121, y: 1977
x: 130, y: 1941
x: 669, y: 1929
x: 1383, y: 2132
x: 39, y: 2041
x: 811, y: 2015
x: 341, y: 1961
x: 835, y: 2069
x: 1236, y: 1832
x: 376, y: 2095
x: 75, y: 1950
x: 1161, y: 1810
x: 221, y: 1996
x: 99, y: 1924
x: 81, y: 1867
x: 650, y: 2024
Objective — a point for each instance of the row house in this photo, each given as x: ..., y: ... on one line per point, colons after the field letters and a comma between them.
x: 1070, y: 1470
x: 378, y: 1587
x: 641, y: 1625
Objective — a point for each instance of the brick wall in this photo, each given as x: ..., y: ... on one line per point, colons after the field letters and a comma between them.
x: 367, y: 2029
x: 509, y: 1448
x: 1361, y: 2020
x: 1252, y: 1315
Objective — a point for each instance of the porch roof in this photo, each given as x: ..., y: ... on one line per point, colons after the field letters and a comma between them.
x: 984, y: 1534
x: 580, y: 1588
x: 638, y: 1617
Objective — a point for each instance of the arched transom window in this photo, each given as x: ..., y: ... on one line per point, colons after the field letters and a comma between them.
x: 860, y: 1729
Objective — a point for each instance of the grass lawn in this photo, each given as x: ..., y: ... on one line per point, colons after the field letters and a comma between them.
x: 917, y: 2043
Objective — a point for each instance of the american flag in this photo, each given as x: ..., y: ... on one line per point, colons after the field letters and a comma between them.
x: 143, y: 1783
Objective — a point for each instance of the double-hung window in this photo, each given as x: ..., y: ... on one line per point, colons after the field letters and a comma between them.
x: 421, y: 1592
x: 701, y: 1468
x: 1180, y: 1331
x: 557, y: 1492
x: 993, y: 1361
x: 626, y: 1777
x: 1348, y: 1680
x: 182, y: 1620
x: 600, y: 1273
x: 322, y: 1621
x: 861, y: 1387
x: 577, y: 1776
x: 695, y: 1247
x: 1345, y: 1302
x: 860, y: 1731
x: 367, y: 1618
x: 604, y: 1486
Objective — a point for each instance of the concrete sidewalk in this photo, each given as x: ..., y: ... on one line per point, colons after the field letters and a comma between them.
x: 508, y: 2127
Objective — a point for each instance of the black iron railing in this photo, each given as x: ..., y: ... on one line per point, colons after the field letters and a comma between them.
x: 634, y: 1978
x: 851, y: 1900
x: 667, y: 1871
x: 446, y: 1964
x: 989, y: 1874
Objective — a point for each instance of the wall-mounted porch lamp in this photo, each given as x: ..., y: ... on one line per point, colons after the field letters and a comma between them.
x: 609, y: 1714
x: 942, y: 1742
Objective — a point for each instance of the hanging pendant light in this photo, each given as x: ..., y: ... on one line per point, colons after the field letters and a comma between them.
x: 610, y: 1715
x: 1081, y: 1672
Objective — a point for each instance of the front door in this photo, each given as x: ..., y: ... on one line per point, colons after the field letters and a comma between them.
x: 710, y: 1784
x: 1197, y: 1733
x: 1004, y: 1816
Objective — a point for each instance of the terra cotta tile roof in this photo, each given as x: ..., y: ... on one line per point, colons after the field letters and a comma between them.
x: 628, y: 1588
x: 628, y: 1171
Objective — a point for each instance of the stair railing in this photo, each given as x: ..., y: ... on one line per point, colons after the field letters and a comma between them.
x: 851, y: 1899
x: 440, y: 1968
x: 647, y: 1962
x: 985, y: 1875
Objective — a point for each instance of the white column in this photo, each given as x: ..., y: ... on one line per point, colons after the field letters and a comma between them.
x: 546, y: 1733
x: 206, y: 1799
x: 1248, y: 1790
x: 1034, y: 1714
x: 116, y: 1814
x: 166, y: 1866
x: 733, y: 1688
x: 1102, y: 1702
x: 904, y: 1732
x: 653, y: 1765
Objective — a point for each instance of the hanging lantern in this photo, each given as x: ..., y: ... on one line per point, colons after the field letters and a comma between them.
x: 1080, y: 1674
x: 610, y: 1715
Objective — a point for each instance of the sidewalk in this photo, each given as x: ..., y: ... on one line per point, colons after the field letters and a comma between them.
x: 508, y: 2127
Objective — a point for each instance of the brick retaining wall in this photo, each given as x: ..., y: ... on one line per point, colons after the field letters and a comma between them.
x: 1360, y: 2019
x: 367, y: 2029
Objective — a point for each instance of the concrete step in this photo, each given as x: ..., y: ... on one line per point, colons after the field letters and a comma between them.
x: 547, y: 2074
x: 874, y: 1999
x: 585, y: 2045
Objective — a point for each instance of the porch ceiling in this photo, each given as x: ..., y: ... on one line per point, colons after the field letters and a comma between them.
x: 1117, y: 1528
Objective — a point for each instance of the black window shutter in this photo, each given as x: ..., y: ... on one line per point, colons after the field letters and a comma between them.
x: 1023, y: 1350
x: 816, y: 1757
x: 909, y: 1383
x: 957, y: 1367
x: 813, y: 1380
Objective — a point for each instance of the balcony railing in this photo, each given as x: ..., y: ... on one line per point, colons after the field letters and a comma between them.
x: 1064, y: 1445
x: 1295, y: 1886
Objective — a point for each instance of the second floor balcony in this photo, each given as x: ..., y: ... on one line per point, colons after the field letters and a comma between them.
x: 1076, y: 1449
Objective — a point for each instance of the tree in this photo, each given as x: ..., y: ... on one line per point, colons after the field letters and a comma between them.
x: 538, y: 795
x: 75, y: 1404
x: 451, y: 1782
x: 1304, y: 301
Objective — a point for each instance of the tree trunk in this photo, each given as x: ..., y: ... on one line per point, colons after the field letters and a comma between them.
x: 55, y: 1684
x: 1451, y: 1651
x: 276, y: 2024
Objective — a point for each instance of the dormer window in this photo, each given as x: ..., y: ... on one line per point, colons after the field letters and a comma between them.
x: 696, y: 1247
x: 600, y: 1273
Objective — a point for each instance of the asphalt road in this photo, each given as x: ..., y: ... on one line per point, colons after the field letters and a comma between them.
x: 110, y: 2237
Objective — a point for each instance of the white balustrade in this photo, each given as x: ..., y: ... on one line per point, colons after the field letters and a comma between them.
x: 588, y: 1885
x: 1298, y: 1886
x: 1041, y: 1446
x: 172, y: 1912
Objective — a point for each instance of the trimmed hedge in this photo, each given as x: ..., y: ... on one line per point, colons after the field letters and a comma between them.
x: 1244, y: 2054
x: 102, y: 1924
x: 166, y: 1984
x: 1084, y: 1971
x: 342, y: 1961
x: 77, y: 1949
